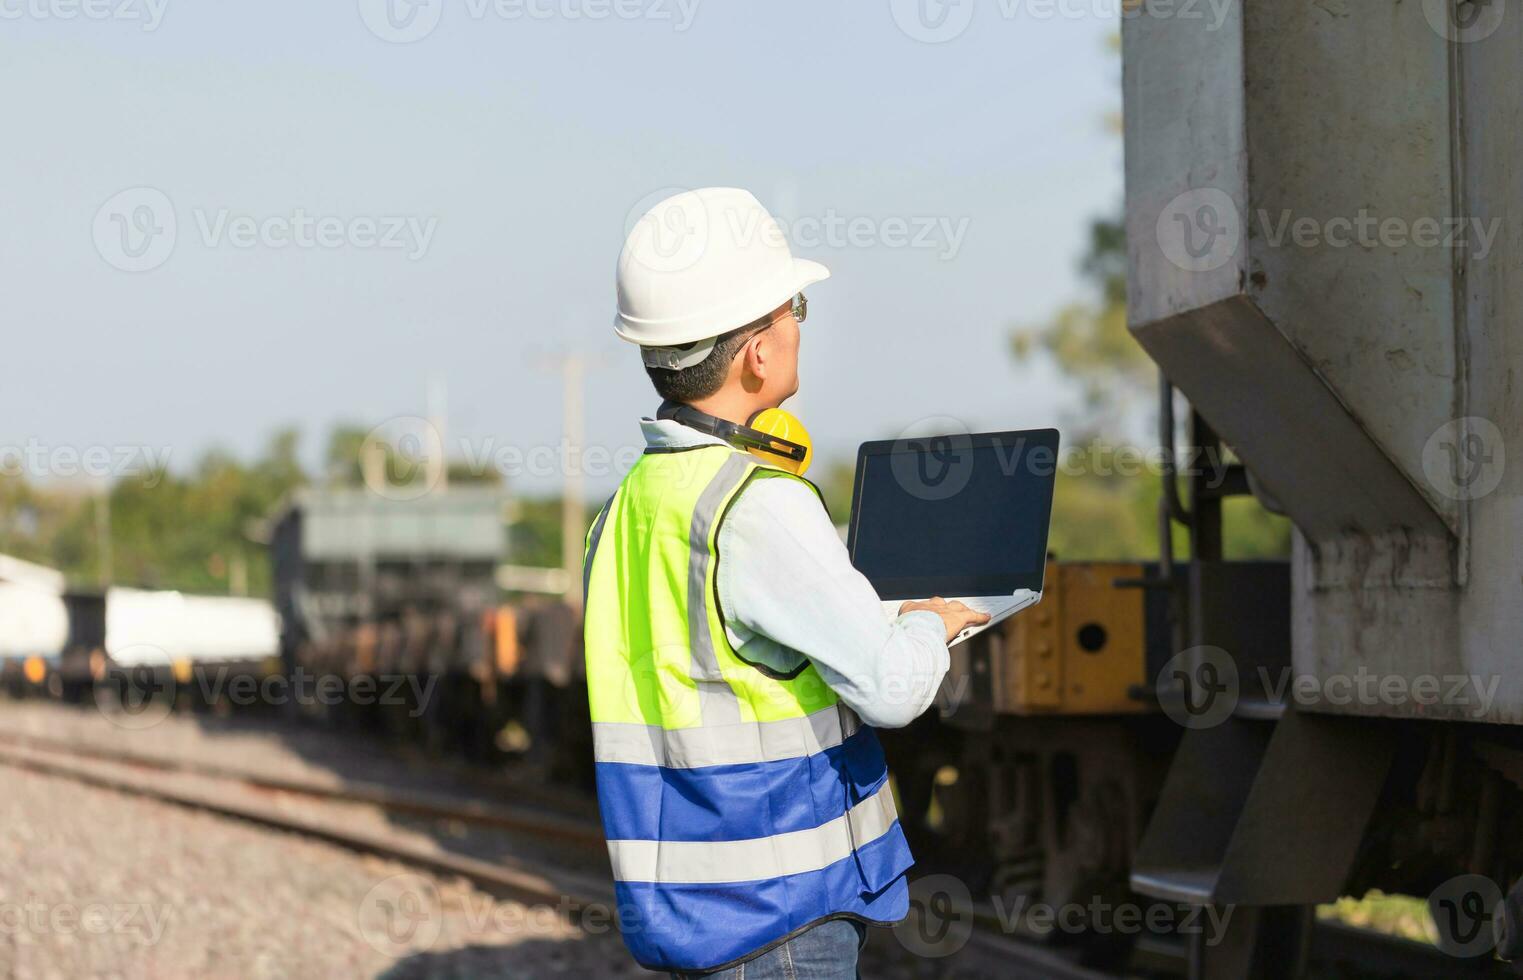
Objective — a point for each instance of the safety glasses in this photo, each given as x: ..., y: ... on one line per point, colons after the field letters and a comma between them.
x: 799, y: 311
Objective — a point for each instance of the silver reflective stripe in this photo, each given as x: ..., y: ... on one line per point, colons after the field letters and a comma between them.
x: 722, y: 745
x: 592, y: 547
x: 712, y: 862
x: 717, y: 702
x: 850, y: 723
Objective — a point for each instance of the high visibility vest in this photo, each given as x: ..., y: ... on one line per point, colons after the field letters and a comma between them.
x: 741, y: 806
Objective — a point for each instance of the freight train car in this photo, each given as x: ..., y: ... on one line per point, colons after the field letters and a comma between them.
x: 66, y: 643
x: 35, y: 633
x: 207, y: 650
x: 1322, y: 223
x: 377, y: 589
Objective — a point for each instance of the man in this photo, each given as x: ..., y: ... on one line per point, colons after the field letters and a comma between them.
x: 735, y: 659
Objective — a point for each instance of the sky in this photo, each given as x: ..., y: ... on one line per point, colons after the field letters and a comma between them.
x: 225, y: 218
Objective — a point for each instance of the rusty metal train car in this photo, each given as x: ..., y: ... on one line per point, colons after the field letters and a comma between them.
x: 396, y: 599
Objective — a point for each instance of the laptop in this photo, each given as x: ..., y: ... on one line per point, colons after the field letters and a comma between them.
x: 962, y: 516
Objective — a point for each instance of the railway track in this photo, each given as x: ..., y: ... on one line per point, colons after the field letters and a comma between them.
x: 539, y: 822
x: 544, y: 878
x: 539, y: 880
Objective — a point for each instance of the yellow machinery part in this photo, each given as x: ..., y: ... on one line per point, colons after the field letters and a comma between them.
x: 1081, y: 651
x: 506, y: 646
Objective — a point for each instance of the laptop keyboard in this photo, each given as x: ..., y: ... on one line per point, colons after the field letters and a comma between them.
x: 979, y: 603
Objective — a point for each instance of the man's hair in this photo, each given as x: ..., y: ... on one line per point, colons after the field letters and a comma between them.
x: 708, y: 375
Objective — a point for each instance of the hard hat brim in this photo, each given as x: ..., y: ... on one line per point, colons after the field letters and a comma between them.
x: 802, y: 274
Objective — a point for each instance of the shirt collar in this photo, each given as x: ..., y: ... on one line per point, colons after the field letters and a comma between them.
x: 671, y: 434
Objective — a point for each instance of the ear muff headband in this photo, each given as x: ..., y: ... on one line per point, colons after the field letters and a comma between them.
x: 767, y: 435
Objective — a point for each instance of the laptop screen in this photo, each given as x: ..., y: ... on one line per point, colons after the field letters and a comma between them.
x: 954, y: 515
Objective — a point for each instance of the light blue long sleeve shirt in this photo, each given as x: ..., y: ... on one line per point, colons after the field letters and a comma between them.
x: 789, y: 591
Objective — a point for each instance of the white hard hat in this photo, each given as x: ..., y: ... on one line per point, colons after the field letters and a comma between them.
x: 698, y: 265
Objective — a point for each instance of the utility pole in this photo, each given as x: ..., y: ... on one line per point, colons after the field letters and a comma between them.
x: 103, y: 534
x: 438, y: 417
x: 574, y: 487
x: 238, y: 573
x: 573, y: 367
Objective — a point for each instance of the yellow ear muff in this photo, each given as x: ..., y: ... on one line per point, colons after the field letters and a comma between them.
x: 787, y: 427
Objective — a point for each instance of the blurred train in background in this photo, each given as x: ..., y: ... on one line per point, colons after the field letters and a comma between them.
x: 63, y: 642
x: 388, y: 615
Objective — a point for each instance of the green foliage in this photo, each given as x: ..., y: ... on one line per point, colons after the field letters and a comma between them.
x: 182, y: 531
x: 836, y: 482
x: 1089, y: 340
x: 1101, y: 517
x: 1097, y: 516
x: 535, y: 535
x: 344, y: 462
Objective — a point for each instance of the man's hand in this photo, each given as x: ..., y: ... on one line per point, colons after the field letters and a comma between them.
x: 955, y: 616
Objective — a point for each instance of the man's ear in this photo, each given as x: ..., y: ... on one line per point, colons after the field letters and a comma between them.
x: 757, y: 356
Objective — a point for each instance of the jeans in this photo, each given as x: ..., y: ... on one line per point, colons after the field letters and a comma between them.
x: 826, y: 952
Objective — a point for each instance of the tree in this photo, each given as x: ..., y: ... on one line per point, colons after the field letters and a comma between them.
x: 1089, y: 340
x: 1096, y: 516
